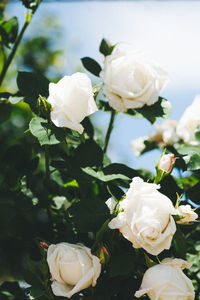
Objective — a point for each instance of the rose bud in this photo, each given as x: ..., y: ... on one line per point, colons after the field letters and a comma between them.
x: 166, y: 163
x: 44, y: 245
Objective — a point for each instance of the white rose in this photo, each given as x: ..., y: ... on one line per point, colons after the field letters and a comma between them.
x: 165, y: 133
x: 72, y: 267
x: 131, y: 81
x: 71, y: 100
x: 167, y: 281
x: 166, y: 162
x: 138, y: 145
x: 189, y: 121
x: 145, y: 219
x: 187, y: 213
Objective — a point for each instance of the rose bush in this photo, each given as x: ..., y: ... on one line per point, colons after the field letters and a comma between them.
x: 72, y: 267
x: 131, y: 81
x: 71, y: 100
x: 146, y: 218
x: 56, y: 187
x: 167, y: 281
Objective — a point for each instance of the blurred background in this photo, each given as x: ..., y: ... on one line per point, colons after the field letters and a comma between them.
x: 62, y: 32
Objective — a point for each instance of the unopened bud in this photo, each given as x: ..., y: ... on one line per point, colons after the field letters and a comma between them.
x: 166, y: 163
x: 104, y: 255
x: 44, y: 246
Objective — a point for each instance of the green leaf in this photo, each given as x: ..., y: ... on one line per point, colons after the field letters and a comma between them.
x: 89, y: 215
x: 32, y: 84
x: 31, y: 4
x: 191, y: 156
x: 193, y: 193
x: 5, y: 111
x: 122, y: 264
x: 91, y: 65
x: 115, y: 191
x: 161, y: 109
x: 105, y: 48
x: 180, y: 243
x: 9, y: 30
x: 117, y: 168
x: 45, y: 133
x: 88, y: 154
x: 102, y: 177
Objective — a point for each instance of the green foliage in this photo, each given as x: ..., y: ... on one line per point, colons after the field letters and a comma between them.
x: 54, y: 184
x: 91, y: 65
x: 47, y: 134
x: 161, y: 109
x: 191, y: 156
x: 9, y: 31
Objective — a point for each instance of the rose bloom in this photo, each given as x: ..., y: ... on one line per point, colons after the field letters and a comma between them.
x: 166, y: 162
x: 187, y: 213
x: 131, y: 81
x: 167, y: 281
x: 165, y: 133
x: 138, y: 145
x: 189, y: 121
x: 146, y: 217
x: 71, y: 100
x: 72, y: 267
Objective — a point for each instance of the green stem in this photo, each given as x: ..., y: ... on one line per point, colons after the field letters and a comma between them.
x: 47, y: 171
x: 17, y: 42
x: 110, y: 127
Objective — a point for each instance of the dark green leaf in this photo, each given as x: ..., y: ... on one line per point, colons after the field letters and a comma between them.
x: 115, y: 191
x: 122, y: 264
x: 32, y: 4
x: 91, y: 65
x: 88, y: 127
x: 180, y: 243
x: 161, y: 109
x: 88, y: 154
x: 117, y: 168
x: 9, y: 30
x: 89, y: 215
x: 5, y: 111
x: 193, y: 193
x: 45, y: 133
x: 32, y: 84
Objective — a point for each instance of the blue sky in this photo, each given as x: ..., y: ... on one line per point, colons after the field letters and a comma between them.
x: 168, y: 32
